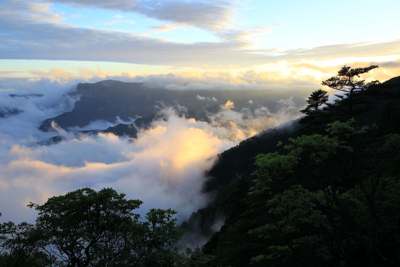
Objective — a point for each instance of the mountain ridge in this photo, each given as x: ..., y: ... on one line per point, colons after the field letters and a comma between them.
x: 232, y: 176
x: 106, y: 100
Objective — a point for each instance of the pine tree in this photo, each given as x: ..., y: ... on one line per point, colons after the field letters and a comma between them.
x: 347, y: 81
x: 317, y: 99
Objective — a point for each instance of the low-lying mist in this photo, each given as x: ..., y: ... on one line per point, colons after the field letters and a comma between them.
x: 164, y: 166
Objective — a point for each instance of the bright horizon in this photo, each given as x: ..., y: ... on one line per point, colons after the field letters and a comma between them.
x: 260, y: 42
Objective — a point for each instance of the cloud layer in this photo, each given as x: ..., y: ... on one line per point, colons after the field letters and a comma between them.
x: 203, y: 13
x: 33, y: 30
x: 164, y: 166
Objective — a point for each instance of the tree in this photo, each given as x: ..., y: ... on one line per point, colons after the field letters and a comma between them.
x: 89, y: 228
x: 317, y: 99
x: 160, y: 238
x: 296, y: 230
x: 15, y: 250
x: 347, y: 82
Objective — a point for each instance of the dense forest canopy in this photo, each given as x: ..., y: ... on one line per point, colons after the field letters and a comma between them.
x: 323, y: 191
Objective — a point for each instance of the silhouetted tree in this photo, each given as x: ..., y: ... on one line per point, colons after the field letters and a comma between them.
x: 16, y: 249
x: 317, y: 99
x: 347, y: 81
x: 89, y: 228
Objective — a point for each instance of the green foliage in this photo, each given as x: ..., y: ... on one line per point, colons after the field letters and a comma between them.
x: 196, y: 258
x: 275, y: 165
x: 317, y: 99
x: 392, y: 144
x: 390, y: 154
x: 342, y: 130
x: 347, y: 81
x: 16, y: 249
x: 89, y: 228
x: 295, y: 229
x: 273, y: 168
x: 328, y: 195
x: 310, y: 207
x: 312, y: 149
x: 306, y: 155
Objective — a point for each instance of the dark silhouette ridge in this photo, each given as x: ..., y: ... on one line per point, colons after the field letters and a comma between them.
x: 376, y: 111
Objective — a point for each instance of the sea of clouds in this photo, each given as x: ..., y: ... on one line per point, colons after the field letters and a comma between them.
x: 164, y: 166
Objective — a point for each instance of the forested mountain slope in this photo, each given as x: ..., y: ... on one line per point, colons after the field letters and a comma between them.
x: 323, y: 191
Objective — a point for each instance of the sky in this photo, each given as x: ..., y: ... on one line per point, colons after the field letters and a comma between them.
x: 271, y: 41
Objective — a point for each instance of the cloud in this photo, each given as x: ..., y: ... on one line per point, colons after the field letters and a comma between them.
x: 164, y: 166
x: 229, y: 105
x: 33, y: 37
x: 271, y: 80
x: 246, y: 37
x: 206, y: 98
x: 390, y: 64
x: 32, y: 30
x: 165, y: 27
x: 204, y: 13
x: 348, y: 50
x: 297, y: 78
x: 33, y: 12
x: 239, y: 125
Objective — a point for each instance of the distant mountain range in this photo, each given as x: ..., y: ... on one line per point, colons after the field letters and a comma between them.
x: 111, y: 101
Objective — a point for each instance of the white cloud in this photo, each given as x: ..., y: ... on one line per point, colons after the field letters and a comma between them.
x: 206, y: 98
x: 32, y: 30
x: 164, y: 166
x: 229, y: 105
x: 204, y: 13
x: 32, y: 11
x: 33, y: 36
